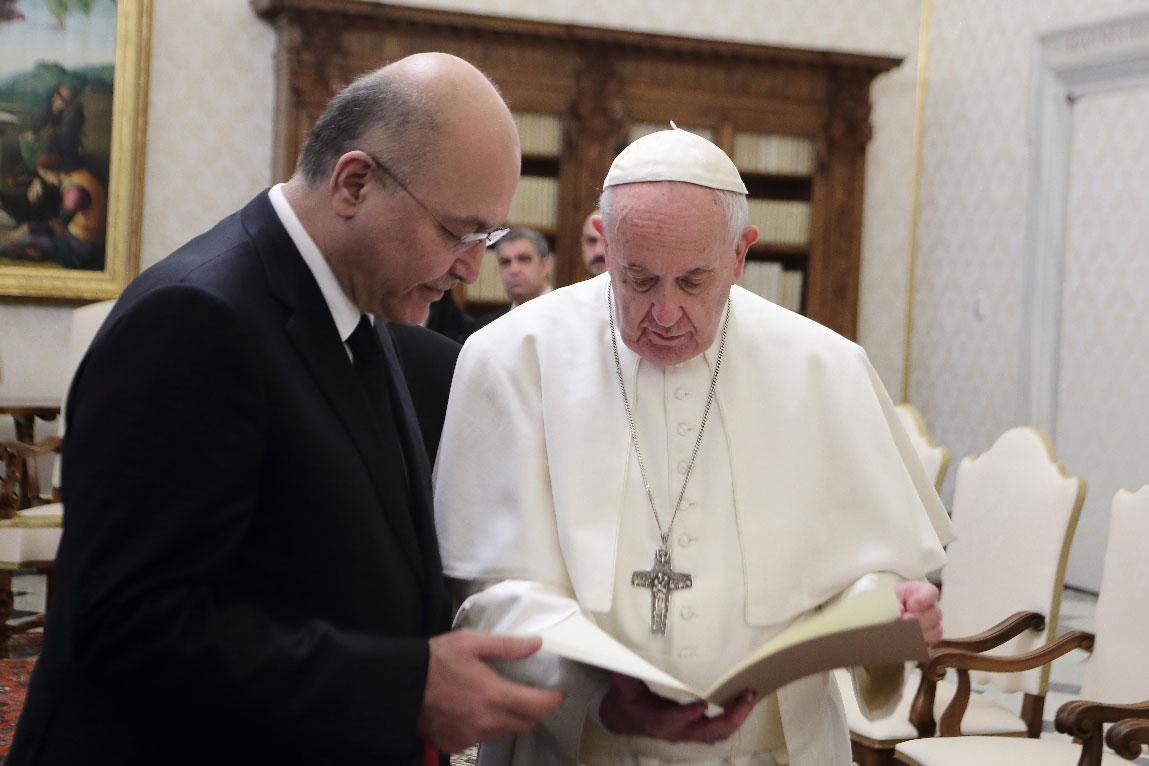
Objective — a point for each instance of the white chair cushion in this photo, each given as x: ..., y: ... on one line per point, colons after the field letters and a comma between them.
x: 994, y: 751
x: 49, y: 511
x: 32, y: 536
x: 984, y: 716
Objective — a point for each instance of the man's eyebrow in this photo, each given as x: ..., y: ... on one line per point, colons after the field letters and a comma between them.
x: 477, y: 224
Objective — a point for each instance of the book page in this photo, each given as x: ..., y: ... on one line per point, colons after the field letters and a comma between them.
x: 863, y: 630
x: 578, y: 638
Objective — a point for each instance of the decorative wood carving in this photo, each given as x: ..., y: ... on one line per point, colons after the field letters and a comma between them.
x: 599, y: 81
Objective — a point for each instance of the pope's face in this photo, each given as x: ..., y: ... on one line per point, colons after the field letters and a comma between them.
x: 671, y: 265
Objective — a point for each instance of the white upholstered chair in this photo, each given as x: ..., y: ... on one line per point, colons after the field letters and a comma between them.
x: 1116, y: 674
x: 28, y: 540
x: 1015, y: 511
x: 935, y: 459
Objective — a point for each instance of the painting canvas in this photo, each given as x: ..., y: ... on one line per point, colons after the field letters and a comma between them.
x: 72, y: 97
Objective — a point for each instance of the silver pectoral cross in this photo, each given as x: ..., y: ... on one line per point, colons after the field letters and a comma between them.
x: 661, y: 579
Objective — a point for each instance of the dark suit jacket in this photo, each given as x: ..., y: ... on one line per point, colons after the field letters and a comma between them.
x: 491, y: 316
x: 428, y: 361
x: 241, y: 579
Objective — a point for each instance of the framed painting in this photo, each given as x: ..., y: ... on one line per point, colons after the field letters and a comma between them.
x: 73, y: 117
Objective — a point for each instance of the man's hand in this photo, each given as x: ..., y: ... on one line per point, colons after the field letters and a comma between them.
x: 919, y: 601
x: 630, y: 708
x: 465, y: 701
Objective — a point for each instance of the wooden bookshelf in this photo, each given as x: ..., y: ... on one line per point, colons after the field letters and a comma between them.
x: 603, y: 85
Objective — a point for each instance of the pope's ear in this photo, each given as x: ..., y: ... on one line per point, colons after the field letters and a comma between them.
x: 348, y: 182
x: 742, y: 247
x: 596, y: 222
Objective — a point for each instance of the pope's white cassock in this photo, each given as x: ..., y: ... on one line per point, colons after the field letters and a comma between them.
x: 805, y: 488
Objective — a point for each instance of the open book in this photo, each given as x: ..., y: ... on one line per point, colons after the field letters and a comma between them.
x: 862, y: 630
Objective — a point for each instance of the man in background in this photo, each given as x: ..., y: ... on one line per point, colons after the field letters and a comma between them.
x: 593, y: 246
x: 525, y: 265
x: 249, y: 572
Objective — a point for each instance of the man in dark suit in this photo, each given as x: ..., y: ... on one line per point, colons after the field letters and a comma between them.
x: 427, y: 359
x: 249, y: 572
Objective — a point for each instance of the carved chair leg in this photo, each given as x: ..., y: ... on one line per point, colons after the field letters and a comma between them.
x: 1092, y: 749
x: 1032, y: 708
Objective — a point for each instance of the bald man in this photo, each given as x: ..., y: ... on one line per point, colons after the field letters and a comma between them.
x: 249, y: 573
x: 593, y: 246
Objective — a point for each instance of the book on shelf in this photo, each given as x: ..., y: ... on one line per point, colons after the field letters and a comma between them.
x: 865, y: 630
x: 535, y: 203
x: 781, y: 222
x: 790, y: 293
x: 540, y: 134
x: 488, y: 288
x: 774, y: 153
x: 763, y: 278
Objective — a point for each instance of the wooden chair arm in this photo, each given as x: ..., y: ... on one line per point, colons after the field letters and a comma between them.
x: 1077, y: 717
x: 998, y: 663
x: 963, y: 662
x: 1083, y: 719
x: 1010, y: 627
x: 922, y: 710
x: 1128, y: 736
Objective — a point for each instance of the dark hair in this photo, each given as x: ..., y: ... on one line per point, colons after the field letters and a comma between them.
x: 375, y: 113
x: 538, y: 240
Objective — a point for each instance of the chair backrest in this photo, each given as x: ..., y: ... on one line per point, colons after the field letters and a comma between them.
x: 935, y: 459
x: 86, y: 322
x: 1015, y: 511
x: 1118, y: 670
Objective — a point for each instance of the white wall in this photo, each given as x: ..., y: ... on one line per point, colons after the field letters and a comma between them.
x: 967, y: 331
x: 1103, y: 422
x: 210, y: 129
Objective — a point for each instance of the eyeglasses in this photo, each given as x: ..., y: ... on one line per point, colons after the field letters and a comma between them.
x: 488, y: 238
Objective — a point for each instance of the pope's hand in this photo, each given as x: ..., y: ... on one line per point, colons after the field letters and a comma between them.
x: 466, y: 702
x: 631, y: 708
x: 919, y: 601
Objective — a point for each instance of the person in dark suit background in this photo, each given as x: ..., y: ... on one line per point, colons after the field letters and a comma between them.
x: 427, y: 359
x: 446, y: 318
x: 249, y: 572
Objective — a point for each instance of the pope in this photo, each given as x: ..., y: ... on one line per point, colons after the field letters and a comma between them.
x: 691, y: 466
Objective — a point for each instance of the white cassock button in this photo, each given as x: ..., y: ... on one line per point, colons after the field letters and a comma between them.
x: 686, y: 653
x: 682, y: 466
x: 685, y: 539
x: 681, y: 393
x: 687, y: 613
x: 684, y: 429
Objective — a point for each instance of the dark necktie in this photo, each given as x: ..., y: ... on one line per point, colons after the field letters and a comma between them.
x: 372, y: 371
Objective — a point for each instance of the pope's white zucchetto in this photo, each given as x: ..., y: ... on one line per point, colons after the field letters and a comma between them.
x: 675, y: 155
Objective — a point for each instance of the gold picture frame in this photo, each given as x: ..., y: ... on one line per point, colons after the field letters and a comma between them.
x: 31, y: 273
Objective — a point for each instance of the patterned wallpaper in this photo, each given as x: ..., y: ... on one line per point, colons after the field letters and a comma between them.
x: 965, y: 346
x: 1103, y: 424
